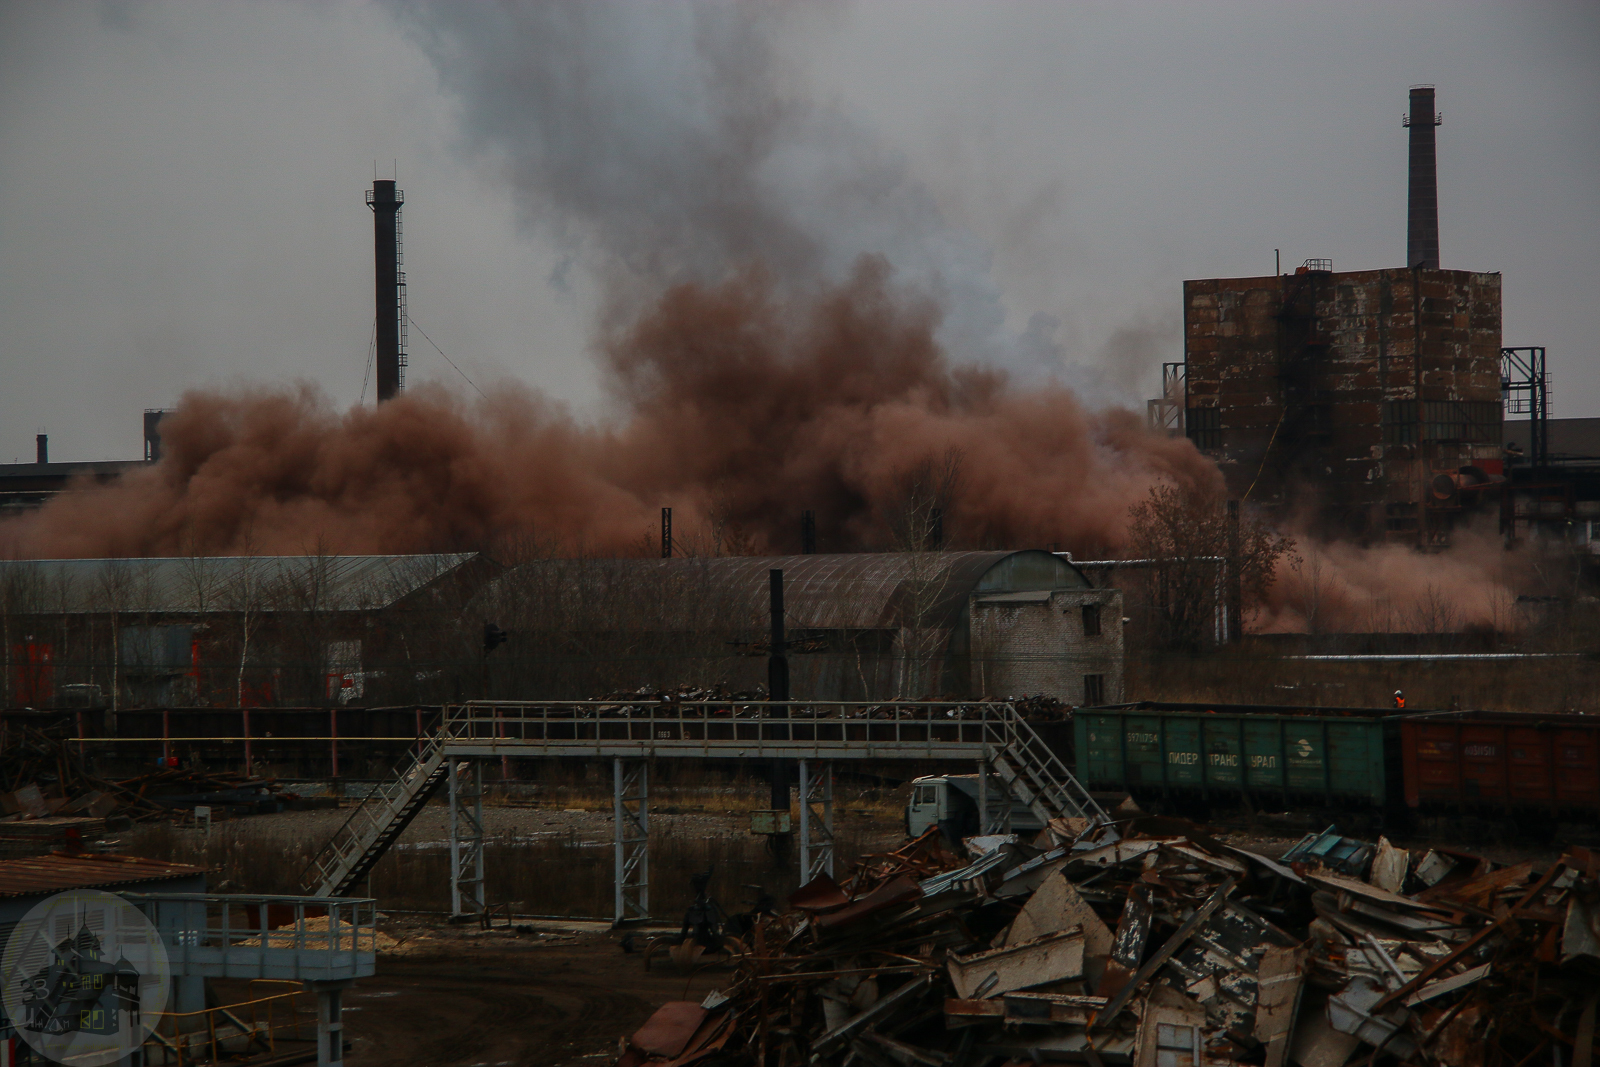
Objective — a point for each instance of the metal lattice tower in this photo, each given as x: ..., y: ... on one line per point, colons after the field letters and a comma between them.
x: 816, y: 829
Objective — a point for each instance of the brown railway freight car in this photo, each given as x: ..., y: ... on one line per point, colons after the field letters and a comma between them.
x: 1475, y: 760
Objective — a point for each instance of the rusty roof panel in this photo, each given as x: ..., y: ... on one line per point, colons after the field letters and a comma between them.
x: 57, y: 873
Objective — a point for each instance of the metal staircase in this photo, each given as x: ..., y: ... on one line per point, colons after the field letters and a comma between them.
x: 350, y: 854
x: 1034, y: 774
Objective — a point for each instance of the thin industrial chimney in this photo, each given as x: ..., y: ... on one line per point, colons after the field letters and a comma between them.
x: 1422, y: 206
x: 152, y: 434
x: 389, y: 287
x: 41, y: 444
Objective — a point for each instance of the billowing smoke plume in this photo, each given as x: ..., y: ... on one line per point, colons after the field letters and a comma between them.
x: 1346, y: 588
x: 670, y: 143
x: 787, y: 324
x: 763, y: 361
x: 745, y: 410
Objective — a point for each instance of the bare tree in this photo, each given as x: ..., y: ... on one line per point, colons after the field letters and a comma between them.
x: 23, y: 600
x: 925, y: 494
x: 728, y: 536
x: 203, y: 580
x: 1312, y: 570
x: 244, y: 593
x: 1185, y: 532
x: 1434, y: 612
x: 63, y: 596
x: 120, y: 586
x: 305, y: 587
x: 919, y: 510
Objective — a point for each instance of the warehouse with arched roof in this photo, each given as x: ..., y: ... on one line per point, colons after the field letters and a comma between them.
x: 860, y: 626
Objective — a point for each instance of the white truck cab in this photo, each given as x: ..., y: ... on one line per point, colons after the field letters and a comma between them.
x: 950, y: 802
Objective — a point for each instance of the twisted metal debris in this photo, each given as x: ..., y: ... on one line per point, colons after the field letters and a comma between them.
x: 1149, y: 942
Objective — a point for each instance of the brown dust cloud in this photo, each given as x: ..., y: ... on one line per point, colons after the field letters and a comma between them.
x: 740, y: 411
x: 763, y: 359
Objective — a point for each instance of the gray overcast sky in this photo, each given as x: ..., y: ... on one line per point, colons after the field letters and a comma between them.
x: 181, y: 183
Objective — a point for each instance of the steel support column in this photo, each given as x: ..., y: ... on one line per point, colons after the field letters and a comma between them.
x: 466, y: 837
x: 816, y: 856
x: 983, y: 796
x: 994, y: 812
x: 330, y: 1021
x: 630, y: 798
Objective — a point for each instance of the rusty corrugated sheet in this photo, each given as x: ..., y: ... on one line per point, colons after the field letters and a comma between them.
x: 39, y: 875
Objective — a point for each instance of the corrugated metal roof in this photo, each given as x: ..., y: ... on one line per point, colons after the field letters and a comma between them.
x: 1041, y: 596
x: 846, y: 591
x: 40, y: 875
x: 198, y: 584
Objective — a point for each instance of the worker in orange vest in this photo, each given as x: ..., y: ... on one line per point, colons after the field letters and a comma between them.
x: 1399, y: 699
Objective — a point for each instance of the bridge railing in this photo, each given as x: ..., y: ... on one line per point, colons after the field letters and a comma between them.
x: 683, y: 724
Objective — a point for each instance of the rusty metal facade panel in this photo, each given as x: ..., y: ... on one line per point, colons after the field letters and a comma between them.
x: 1350, y: 389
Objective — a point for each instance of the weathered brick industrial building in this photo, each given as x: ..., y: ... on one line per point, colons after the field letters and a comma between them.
x: 1373, y: 396
x: 1372, y: 399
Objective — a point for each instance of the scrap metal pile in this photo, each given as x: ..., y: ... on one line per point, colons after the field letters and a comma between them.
x: 1149, y: 942
x: 49, y: 799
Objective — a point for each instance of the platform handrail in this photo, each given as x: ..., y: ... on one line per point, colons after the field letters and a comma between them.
x: 351, y: 847
x: 296, y: 938
x: 1062, y: 795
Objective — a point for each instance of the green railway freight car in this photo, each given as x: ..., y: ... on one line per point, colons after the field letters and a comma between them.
x: 1258, y: 754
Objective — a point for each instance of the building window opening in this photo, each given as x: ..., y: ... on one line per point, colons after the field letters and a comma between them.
x: 1091, y: 620
x: 1204, y: 427
x: 1094, y: 690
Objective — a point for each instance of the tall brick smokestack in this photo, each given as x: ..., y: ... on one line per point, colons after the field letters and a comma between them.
x: 1422, y: 205
x: 388, y: 283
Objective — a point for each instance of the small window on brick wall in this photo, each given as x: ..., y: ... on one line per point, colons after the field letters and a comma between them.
x: 1204, y: 427
x: 1094, y: 689
x: 1091, y: 620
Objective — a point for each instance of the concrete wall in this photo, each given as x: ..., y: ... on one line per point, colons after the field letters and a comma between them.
x: 1307, y: 384
x: 1031, y: 643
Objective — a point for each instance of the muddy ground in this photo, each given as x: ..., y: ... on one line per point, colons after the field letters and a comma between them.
x: 460, y: 997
